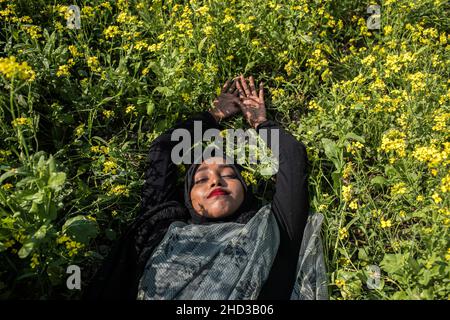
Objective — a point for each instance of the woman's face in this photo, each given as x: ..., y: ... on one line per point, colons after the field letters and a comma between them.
x: 216, y: 192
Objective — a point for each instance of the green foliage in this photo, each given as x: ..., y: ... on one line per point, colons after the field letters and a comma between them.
x: 79, y: 109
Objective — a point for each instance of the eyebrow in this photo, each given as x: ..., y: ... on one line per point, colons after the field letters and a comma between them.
x: 220, y: 166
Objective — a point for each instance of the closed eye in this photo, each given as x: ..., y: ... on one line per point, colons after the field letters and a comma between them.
x: 201, y: 180
x: 232, y: 176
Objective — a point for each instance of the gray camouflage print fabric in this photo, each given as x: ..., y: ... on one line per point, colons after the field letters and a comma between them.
x: 229, y: 261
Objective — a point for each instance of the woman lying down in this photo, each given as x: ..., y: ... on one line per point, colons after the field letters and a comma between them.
x: 214, y: 243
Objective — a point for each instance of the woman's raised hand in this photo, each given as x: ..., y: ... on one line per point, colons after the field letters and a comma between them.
x: 227, y: 103
x: 251, y: 101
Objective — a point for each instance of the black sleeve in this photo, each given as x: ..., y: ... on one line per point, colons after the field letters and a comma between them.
x: 161, y: 172
x: 290, y: 205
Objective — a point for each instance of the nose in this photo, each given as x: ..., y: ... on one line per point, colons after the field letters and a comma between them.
x: 216, y: 180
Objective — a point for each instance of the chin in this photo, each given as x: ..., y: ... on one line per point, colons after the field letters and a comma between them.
x: 220, y: 212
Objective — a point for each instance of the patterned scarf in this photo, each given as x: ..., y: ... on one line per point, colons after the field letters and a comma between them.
x: 229, y: 261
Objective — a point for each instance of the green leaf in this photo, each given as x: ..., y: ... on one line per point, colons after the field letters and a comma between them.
x: 425, y: 278
x: 378, y: 180
x: 81, y: 229
x: 7, y: 174
x: 393, y: 263
x: 332, y: 152
x: 26, y: 249
x: 362, y: 254
x: 201, y: 44
x: 427, y: 294
x: 249, y: 66
x: 40, y: 234
x: 150, y: 107
x: 52, y: 212
x: 56, y: 180
x: 34, y: 208
x: 413, y: 264
x: 390, y: 171
x: 330, y: 147
x: 41, y: 163
x: 51, y: 164
x: 354, y: 136
x: 400, y: 295
x: 336, y: 176
x: 37, y: 197
x: 165, y: 91
x: 97, y: 138
x: 26, y: 181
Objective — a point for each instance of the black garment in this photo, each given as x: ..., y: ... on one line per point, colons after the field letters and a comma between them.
x: 161, y: 204
x: 290, y: 205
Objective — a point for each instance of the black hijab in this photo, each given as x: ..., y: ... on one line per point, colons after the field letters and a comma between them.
x: 242, y: 215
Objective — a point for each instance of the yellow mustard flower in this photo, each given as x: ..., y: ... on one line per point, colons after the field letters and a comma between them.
x: 354, y: 146
x: 445, y: 183
x: 9, y: 243
x: 387, y: 30
x: 33, y: 31
x: 343, y: 233
x: 11, y: 68
x: 93, y: 64
x: 79, y: 130
x: 398, y: 189
x: 394, y: 141
x: 436, y: 197
x: 34, y: 261
x: 111, y: 32
x: 63, y: 71
x: 385, y: 223
x: 119, y: 190
x: 130, y: 108
x: 340, y: 283
x: 347, y: 193
x: 7, y: 186
x: 108, y: 113
x: 87, y: 11
x: 277, y: 94
x: 110, y: 166
x: 440, y: 119
x: 249, y: 178
x: 22, y: 122
x: 353, y: 205
x: 62, y: 239
x: 447, y: 255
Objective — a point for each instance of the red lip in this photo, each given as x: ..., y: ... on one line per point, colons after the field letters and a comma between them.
x: 217, y: 192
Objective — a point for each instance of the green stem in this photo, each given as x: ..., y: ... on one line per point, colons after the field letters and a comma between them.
x: 11, y: 99
x: 22, y: 142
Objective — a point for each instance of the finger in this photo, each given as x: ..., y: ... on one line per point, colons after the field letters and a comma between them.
x: 244, y: 86
x: 225, y: 86
x: 261, y: 91
x: 235, y: 92
x: 239, y: 87
x: 232, y: 87
x: 252, y: 86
